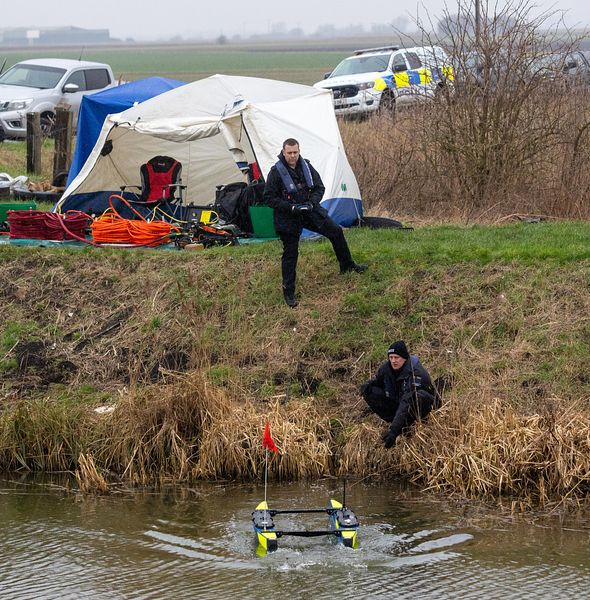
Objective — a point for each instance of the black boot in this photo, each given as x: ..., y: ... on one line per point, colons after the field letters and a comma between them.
x: 356, y: 267
x: 290, y: 299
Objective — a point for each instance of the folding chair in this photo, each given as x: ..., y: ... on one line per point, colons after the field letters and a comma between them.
x: 160, y: 181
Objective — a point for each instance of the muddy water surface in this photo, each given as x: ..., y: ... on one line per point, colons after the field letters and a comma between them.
x: 197, y: 542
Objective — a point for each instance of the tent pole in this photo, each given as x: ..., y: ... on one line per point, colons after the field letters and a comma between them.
x: 252, y: 147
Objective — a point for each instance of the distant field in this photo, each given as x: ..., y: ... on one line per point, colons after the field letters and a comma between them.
x: 300, y: 63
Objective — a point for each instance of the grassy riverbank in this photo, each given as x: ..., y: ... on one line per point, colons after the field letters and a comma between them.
x: 189, y: 353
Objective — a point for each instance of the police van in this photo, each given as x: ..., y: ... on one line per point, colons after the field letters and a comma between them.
x: 386, y: 78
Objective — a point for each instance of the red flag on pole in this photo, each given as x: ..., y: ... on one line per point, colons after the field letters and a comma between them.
x: 267, y: 441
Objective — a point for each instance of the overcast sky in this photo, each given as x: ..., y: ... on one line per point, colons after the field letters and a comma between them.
x: 152, y: 19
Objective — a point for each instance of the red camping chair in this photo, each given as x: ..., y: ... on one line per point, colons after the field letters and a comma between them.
x: 160, y: 181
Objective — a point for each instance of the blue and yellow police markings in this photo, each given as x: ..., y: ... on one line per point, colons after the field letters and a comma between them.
x: 421, y: 76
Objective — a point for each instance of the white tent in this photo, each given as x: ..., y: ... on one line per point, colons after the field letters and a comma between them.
x: 211, y: 127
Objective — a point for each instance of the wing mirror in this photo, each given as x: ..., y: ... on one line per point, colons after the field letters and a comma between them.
x: 70, y: 88
x: 326, y: 75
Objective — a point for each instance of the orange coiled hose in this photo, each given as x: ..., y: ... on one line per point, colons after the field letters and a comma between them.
x: 111, y: 228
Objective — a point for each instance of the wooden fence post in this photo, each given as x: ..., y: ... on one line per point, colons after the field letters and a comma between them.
x: 34, y: 141
x: 62, y: 132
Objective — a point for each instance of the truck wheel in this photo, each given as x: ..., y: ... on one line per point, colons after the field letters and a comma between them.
x: 47, y: 124
x: 440, y: 91
x: 387, y: 104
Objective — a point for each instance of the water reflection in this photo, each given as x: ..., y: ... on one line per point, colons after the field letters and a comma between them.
x: 197, y: 542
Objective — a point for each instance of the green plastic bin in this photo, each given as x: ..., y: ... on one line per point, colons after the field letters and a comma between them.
x: 262, y: 221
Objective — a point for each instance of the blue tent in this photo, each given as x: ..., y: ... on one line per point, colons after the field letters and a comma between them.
x: 95, y: 107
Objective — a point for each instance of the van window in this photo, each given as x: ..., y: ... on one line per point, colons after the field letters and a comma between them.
x: 97, y: 79
x: 78, y: 78
x: 397, y: 63
x: 414, y: 60
x: 34, y: 76
x: 362, y: 64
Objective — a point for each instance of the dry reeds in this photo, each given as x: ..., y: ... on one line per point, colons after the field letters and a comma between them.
x: 90, y: 481
x: 155, y: 433
x: 43, y: 435
x: 193, y: 429
x: 478, y: 447
x: 232, y: 446
x: 492, y: 450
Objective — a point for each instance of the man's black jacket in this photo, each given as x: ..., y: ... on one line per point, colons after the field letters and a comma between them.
x: 408, y: 389
x: 276, y: 196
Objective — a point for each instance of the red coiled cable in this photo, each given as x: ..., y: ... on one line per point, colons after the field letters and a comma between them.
x: 40, y: 225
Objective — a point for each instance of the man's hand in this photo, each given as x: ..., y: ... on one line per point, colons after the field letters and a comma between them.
x: 389, y: 439
x: 300, y: 209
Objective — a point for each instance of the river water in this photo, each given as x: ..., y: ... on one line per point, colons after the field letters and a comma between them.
x: 197, y: 542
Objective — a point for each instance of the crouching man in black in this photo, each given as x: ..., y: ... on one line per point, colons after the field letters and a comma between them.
x: 400, y: 393
x: 294, y: 189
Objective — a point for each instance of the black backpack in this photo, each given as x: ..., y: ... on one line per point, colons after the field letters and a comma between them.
x: 233, y: 200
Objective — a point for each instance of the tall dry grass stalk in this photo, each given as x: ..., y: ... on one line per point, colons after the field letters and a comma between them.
x: 90, y: 481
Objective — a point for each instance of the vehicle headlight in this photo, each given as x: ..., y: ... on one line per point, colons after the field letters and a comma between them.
x: 366, y: 86
x: 15, y: 104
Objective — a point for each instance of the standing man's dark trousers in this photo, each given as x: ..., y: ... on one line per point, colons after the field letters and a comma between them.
x: 324, y: 226
x: 402, y: 414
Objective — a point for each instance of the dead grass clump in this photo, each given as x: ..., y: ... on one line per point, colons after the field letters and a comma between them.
x: 493, y: 450
x: 362, y: 453
x: 43, y: 435
x: 90, y: 481
x: 192, y: 429
x: 155, y: 432
x: 232, y: 446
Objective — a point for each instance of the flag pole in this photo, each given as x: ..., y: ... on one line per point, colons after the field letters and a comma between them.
x: 265, y: 471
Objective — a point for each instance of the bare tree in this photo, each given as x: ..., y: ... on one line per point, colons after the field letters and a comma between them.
x: 503, y: 118
x: 507, y: 132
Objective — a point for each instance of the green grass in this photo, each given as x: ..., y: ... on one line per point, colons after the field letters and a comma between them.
x: 13, y: 160
x: 14, y: 331
x: 485, y: 288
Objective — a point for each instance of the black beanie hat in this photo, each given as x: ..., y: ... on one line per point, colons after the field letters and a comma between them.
x: 399, y: 348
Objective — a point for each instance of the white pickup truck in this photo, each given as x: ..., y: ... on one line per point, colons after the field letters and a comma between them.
x: 39, y: 85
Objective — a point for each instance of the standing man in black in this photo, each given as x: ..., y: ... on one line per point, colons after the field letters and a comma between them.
x: 294, y: 189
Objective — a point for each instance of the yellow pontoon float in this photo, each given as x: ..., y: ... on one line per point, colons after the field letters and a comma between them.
x: 342, y: 524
